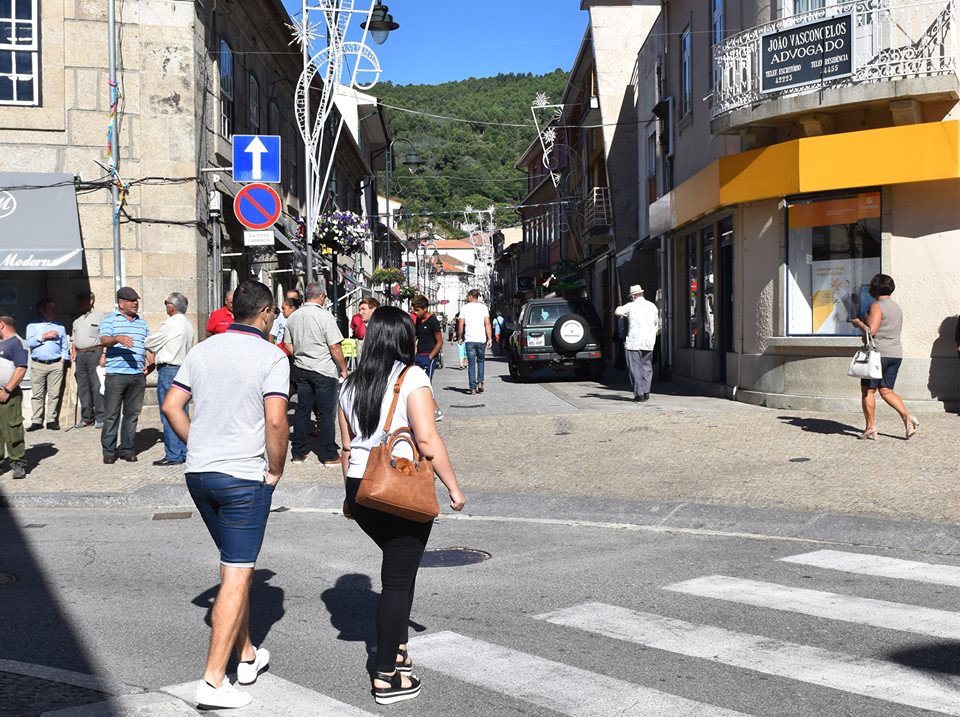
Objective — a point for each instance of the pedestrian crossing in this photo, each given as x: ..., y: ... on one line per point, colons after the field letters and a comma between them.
x: 549, y: 686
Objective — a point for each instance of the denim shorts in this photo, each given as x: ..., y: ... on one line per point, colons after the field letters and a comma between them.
x: 889, y: 368
x: 235, y: 511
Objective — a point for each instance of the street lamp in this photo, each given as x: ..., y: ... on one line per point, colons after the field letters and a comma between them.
x: 381, y: 23
x: 411, y: 161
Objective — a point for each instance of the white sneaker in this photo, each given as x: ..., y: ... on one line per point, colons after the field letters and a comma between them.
x: 247, y: 672
x: 438, y: 415
x: 226, y: 696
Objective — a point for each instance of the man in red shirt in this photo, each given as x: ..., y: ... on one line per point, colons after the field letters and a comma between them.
x: 221, y: 319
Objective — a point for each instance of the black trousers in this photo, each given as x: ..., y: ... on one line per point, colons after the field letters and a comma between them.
x: 88, y: 386
x: 402, y: 542
x: 123, y: 403
x: 318, y: 393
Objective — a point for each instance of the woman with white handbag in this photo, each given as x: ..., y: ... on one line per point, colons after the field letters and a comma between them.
x: 884, y: 322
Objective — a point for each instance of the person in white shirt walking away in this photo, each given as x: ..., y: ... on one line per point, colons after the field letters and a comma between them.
x: 236, y: 448
x: 168, y: 348
x: 477, y: 333
x: 644, y: 324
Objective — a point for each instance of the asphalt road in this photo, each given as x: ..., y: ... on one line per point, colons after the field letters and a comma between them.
x: 562, y: 619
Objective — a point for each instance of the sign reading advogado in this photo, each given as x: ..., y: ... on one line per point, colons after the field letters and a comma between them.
x: 807, y: 54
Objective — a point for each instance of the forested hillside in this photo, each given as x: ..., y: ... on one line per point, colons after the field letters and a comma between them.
x: 465, y: 163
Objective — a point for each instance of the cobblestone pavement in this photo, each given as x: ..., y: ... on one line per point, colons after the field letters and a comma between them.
x: 566, y: 437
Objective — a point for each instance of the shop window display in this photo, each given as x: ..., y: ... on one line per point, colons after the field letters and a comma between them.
x: 833, y: 250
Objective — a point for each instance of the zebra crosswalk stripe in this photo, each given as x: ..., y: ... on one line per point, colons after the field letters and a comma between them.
x: 880, y: 566
x: 857, y: 675
x: 833, y: 606
x: 562, y: 688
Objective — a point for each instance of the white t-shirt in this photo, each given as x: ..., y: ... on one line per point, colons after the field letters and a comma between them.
x: 474, y: 315
x: 644, y: 318
x: 360, y: 445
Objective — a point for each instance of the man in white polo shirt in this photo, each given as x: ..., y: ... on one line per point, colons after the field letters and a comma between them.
x: 239, y: 418
x: 644, y: 323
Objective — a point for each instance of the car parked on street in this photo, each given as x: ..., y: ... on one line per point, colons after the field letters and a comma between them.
x: 557, y: 333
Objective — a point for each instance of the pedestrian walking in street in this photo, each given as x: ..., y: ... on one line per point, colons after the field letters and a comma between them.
x: 499, y: 329
x: 358, y: 326
x: 884, y: 322
x: 239, y: 418
x: 168, y: 349
x: 286, y: 309
x: 364, y: 407
x: 49, y: 351
x: 477, y: 336
x: 313, y: 338
x: 280, y: 322
x: 85, y: 354
x: 123, y: 334
x: 13, y: 367
x: 643, y: 324
x: 429, y: 342
x: 221, y: 319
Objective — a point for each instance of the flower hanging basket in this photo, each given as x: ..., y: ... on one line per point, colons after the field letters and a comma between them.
x: 386, y: 276
x: 340, y: 232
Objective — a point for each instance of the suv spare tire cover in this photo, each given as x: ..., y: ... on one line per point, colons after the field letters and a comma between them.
x: 570, y: 333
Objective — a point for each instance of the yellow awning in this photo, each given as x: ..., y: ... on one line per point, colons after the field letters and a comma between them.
x: 891, y: 155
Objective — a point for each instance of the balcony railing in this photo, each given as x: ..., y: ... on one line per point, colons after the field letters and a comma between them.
x: 597, y: 213
x: 893, y: 40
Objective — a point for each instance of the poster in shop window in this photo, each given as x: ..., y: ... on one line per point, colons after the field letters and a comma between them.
x: 839, y: 294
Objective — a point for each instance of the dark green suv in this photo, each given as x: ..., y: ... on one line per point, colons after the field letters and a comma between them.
x: 557, y: 333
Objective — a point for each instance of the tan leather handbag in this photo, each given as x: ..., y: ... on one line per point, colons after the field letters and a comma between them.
x: 399, y: 486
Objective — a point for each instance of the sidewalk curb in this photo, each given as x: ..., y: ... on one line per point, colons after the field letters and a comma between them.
x: 854, y: 530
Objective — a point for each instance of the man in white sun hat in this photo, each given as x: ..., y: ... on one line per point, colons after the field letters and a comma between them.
x: 644, y: 323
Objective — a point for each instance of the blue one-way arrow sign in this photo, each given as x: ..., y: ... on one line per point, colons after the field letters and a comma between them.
x: 256, y: 158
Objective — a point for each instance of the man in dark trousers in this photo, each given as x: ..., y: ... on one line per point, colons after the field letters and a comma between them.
x: 13, y: 367
x: 85, y: 353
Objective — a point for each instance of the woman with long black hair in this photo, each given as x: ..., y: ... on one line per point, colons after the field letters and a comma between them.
x: 365, y: 401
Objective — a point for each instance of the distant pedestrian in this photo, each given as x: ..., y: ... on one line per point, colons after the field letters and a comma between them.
x: 280, y: 322
x: 358, y: 326
x: 499, y: 331
x: 239, y: 419
x: 476, y: 334
x: 643, y: 320
x: 429, y: 342
x: 288, y: 306
x: 884, y: 322
x: 49, y: 351
x: 168, y: 347
x: 221, y: 319
x: 123, y: 334
x: 364, y: 406
x: 13, y: 367
x: 85, y: 354
x: 313, y: 338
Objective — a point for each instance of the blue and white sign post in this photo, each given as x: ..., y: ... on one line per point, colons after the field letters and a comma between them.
x: 256, y: 158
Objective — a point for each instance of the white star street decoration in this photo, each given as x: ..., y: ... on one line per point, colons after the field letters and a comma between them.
x: 304, y: 33
x: 541, y: 100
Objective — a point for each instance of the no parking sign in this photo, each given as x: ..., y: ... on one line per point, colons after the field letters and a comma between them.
x: 257, y: 206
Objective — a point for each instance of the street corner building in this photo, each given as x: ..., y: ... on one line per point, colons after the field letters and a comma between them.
x: 189, y: 78
x: 753, y: 165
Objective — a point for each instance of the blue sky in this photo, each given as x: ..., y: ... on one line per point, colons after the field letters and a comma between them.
x: 443, y: 40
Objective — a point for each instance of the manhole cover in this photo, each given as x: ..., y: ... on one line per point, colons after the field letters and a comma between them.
x: 467, y: 405
x: 799, y: 460
x: 35, y: 525
x: 7, y: 578
x: 453, y: 557
x: 171, y: 516
x: 281, y: 509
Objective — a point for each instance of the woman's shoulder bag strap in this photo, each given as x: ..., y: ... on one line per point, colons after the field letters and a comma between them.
x: 396, y: 397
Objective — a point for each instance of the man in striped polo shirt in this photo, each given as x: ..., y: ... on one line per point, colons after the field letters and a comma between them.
x: 122, y: 334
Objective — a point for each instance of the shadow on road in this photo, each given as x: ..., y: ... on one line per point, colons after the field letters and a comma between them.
x: 266, y: 607
x: 34, y: 629
x: 39, y: 452
x: 943, y: 657
x: 823, y: 426
x: 147, y: 438
x: 352, y: 605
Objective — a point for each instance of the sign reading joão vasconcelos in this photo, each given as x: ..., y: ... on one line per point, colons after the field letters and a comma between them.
x: 807, y: 54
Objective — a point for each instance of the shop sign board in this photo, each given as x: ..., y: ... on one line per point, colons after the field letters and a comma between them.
x: 806, y: 54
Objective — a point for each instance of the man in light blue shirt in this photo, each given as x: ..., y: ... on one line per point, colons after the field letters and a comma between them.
x: 49, y: 350
x: 122, y: 334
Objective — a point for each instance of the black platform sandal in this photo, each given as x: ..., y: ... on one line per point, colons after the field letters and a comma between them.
x: 405, y: 665
x: 396, y: 692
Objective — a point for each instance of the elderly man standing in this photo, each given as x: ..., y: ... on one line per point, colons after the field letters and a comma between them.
x: 221, y: 319
x: 313, y: 339
x: 644, y: 323
x: 13, y: 367
x: 123, y: 334
x: 85, y: 352
x: 49, y: 349
x: 168, y: 349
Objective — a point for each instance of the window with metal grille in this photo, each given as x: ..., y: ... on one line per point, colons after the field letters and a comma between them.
x: 273, y: 119
x: 19, y: 53
x: 226, y: 89
x: 686, y: 80
x: 716, y: 37
x: 253, y: 105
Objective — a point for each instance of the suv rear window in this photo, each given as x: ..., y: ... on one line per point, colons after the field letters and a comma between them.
x: 547, y: 314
